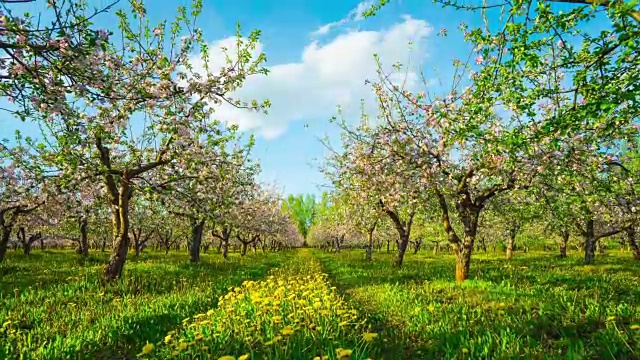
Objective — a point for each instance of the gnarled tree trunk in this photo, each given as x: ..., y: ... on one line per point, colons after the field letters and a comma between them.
x: 120, y: 225
x: 563, y: 243
x: 631, y: 237
x: 84, y: 242
x: 197, y: 227
x: 511, y: 242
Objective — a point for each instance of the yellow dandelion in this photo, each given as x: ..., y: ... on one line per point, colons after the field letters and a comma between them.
x: 344, y: 323
x: 611, y: 318
x: 431, y: 308
x: 146, y: 349
x: 634, y: 327
x: 369, y: 336
x: 210, y: 312
x: 204, y: 348
x: 168, y: 338
x: 343, y: 353
x: 227, y: 357
x: 465, y: 350
x: 182, y: 346
x: 244, y: 357
x: 287, y: 331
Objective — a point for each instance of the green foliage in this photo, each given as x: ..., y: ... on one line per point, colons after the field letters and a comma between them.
x: 303, y: 210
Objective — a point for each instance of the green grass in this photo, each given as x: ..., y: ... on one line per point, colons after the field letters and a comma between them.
x: 535, y: 306
x: 58, y: 310
x: 281, y: 306
x: 294, y: 313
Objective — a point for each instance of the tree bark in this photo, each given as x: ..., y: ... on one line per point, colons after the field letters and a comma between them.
x: 120, y: 225
x: 633, y: 244
x: 463, y: 260
x: 589, y: 243
x: 417, y: 246
x: 511, y: 242
x: 436, y: 247
x: 370, y: 242
x: 563, y: 244
x: 84, y: 243
x: 197, y: 227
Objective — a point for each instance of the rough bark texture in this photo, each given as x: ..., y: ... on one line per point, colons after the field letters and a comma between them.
x: 418, y: 244
x: 370, y: 244
x: 511, y: 242
x: 463, y: 262
x: 563, y: 244
x: 197, y: 226
x: 633, y: 244
x: 589, y: 243
x: 84, y: 242
x: 120, y: 225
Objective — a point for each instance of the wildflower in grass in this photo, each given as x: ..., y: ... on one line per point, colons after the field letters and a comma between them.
x: 465, y: 351
x: 227, y: 357
x: 611, y: 318
x: 325, y: 357
x: 168, y: 338
x: 288, y: 330
x: 147, y: 349
x: 343, y: 353
x: 244, y: 357
x: 634, y: 327
x: 369, y: 336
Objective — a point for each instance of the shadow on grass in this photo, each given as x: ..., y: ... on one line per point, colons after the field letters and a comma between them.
x: 532, y: 306
x: 79, y: 319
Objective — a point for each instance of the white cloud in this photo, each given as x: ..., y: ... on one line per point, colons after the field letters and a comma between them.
x: 325, y: 76
x: 354, y: 15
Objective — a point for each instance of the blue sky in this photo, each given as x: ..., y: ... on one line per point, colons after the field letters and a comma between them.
x: 313, y: 70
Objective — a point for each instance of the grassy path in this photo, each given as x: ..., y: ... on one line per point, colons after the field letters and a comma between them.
x: 54, y: 308
x: 292, y: 314
x: 535, y: 306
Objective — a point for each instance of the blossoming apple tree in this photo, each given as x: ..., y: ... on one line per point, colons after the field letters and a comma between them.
x: 145, y: 109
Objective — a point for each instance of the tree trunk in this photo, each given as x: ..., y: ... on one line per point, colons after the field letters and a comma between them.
x: 225, y: 249
x: 370, y: 244
x: 589, y: 243
x: 4, y: 242
x: 120, y: 225
x: 243, y: 251
x: 631, y: 236
x: 511, y: 242
x: 402, y: 249
x: 417, y: 246
x: 599, y: 246
x: 436, y: 247
x: 463, y: 260
x: 84, y: 243
x: 483, y: 243
x: 563, y: 244
x: 196, y: 240
x: 42, y: 243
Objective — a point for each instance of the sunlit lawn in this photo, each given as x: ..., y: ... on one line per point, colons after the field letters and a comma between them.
x: 534, y: 306
x: 282, y: 306
x: 53, y: 306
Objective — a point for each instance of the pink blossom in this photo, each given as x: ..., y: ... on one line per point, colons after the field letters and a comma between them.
x: 103, y: 34
x: 479, y: 59
x: 157, y: 31
x: 560, y: 44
